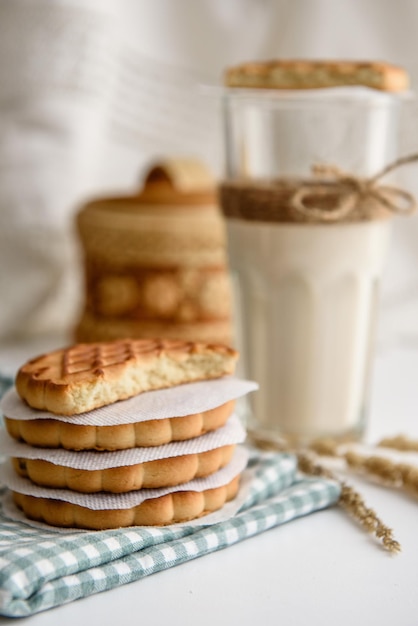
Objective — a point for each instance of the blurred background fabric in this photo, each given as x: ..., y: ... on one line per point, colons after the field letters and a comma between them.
x: 92, y: 90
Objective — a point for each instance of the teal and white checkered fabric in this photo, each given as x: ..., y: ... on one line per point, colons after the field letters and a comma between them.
x: 5, y: 383
x: 40, y: 568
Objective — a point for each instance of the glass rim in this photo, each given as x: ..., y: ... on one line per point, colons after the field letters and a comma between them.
x: 277, y: 98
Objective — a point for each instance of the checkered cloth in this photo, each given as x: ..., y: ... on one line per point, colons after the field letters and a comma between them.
x: 5, y: 383
x: 41, y: 568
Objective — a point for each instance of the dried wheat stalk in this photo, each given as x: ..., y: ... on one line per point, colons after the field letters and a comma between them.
x: 400, y: 442
x: 398, y: 475
x: 352, y: 502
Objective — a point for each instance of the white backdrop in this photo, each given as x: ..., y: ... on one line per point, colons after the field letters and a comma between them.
x: 91, y: 90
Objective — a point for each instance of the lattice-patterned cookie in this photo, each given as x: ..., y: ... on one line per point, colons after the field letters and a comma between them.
x: 87, y: 376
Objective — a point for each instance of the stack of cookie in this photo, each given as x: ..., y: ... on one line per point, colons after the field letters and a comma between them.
x: 155, y: 263
x: 101, y: 436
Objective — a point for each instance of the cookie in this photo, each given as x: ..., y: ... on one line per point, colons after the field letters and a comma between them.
x: 101, y: 328
x: 166, y: 472
x: 311, y: 74
x: 179, y: 506
x: 50, y: 433
x: 84, y: 377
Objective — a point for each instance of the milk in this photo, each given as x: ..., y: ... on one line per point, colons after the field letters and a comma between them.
x: 305, y: 306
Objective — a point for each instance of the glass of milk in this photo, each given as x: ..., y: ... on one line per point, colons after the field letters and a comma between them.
x: 306, y: 292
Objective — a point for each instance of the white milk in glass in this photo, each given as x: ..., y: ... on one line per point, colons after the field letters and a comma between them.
x: 308, y: 299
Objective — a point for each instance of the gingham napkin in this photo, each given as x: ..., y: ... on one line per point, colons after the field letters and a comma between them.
x: 41, y: 568
x: 6, y: 383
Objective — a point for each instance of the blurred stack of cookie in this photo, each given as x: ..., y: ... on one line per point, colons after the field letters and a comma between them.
x: 155, y: 264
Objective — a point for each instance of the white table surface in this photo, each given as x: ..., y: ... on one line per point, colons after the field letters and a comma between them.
x: 318, y: 570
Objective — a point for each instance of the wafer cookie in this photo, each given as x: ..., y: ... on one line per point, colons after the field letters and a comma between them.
x: 314, y: 74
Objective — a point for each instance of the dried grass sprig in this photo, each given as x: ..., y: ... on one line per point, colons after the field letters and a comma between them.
x: 400, y: 442
x: 398, y: 475
x: 352, y: 502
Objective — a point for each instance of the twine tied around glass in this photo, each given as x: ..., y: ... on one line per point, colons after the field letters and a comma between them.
x: 329, y: 196
x: 351, y: 191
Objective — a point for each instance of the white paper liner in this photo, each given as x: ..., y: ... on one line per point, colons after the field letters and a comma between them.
x: 231, y: 433
x: 106, y: 501
x: 176, y: 401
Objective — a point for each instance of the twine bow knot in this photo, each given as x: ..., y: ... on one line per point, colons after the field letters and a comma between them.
x: 350, y: 190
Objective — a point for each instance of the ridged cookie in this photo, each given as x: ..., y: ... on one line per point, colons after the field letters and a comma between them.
x: 100, y: 328
x: 87, y: 376
x: 180, y: 506
x: 167, y: 472
x: 50, y: 433
x: 121, y: 233
x: 176, y: 295
x: 310, y: 74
